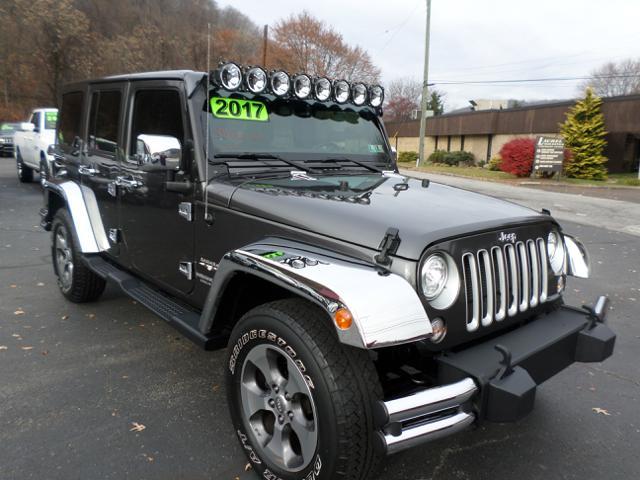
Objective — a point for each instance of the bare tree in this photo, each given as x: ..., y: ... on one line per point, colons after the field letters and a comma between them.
x: 303, y: 43
x: 403, y: 97
x: 613, y: 79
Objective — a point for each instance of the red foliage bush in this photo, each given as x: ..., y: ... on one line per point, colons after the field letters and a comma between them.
x: 517, y: 156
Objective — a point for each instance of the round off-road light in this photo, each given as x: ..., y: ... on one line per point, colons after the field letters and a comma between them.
x: 280, y: 83
x: 439, y: 330
x: 256, y: 80
x: 230, y: 76
x: 341, y: 91
x: 359, y: 94
x: 301, y: 86
x: 322, y: 89
x: 376, y: 96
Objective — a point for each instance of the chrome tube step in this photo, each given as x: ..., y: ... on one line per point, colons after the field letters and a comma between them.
x: 425, y: 415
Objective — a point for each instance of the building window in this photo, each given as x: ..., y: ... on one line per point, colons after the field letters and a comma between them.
x: 462, y: 143
x: 489, y: 146
x: 448, y: 143
x: 437, y: 142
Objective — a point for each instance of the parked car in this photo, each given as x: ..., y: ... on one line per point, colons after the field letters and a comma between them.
x: 7, y: 131
x: 363, y: 312
x: 32, y: 141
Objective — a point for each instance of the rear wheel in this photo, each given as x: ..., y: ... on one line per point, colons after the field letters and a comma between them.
x: 44, y: 171
x: 301, y: 402
x: 25, y: 174
x: 76, y: 281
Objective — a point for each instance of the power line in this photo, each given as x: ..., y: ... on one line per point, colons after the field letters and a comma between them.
x: 529, y: 80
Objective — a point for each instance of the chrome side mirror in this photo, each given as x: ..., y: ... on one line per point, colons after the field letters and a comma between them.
x: 27, y: 127
x: 160, y: 150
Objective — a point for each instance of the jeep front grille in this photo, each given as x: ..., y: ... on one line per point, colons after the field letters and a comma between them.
x: 503, y: 281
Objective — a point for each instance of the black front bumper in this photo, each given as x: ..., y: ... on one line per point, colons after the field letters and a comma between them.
x: 508, y: 368
x: 495, y: 380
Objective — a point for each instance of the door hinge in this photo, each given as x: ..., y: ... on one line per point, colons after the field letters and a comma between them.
x: 185, y: 210
x: 186, y: 268
x: 114, y: 235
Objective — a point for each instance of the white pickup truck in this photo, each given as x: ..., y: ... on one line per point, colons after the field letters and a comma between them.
x: 32, y: 141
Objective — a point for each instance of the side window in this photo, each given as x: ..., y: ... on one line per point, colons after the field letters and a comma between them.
x: 70, y: 119
x: 103, y: 121
x: 35, y: 119
x: 155, y: 113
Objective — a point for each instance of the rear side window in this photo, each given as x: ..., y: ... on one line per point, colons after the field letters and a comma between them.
x: 103, y: 121
x: 156, y: 112
x: 70, y: 118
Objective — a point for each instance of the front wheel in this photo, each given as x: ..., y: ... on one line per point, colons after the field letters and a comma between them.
x: 25, y: 174
x: 300, y: 401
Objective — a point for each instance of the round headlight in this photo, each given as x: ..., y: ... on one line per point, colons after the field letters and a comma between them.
x: 280, y: 83
x: 359, y: 93
x: 301, y: 86
x: 322, y: 89
x: 376, y: 96
x: 341, y: 91
x: 555, y: 251
x: 230, y: 76
x: 434, y: 276
x: 439, y: 280
x: 256, y: 79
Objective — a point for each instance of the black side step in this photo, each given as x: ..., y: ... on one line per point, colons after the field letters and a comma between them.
x: 180, y: 316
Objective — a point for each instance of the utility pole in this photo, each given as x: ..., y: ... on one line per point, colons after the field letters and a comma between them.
x: 265, y: 40
x: 425, y: 86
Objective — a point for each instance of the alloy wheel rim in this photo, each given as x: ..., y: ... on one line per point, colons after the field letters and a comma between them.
x: 278, y: 407
x: 64, y: 258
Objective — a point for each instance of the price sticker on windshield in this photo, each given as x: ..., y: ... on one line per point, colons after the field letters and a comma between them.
x: 237, y: 109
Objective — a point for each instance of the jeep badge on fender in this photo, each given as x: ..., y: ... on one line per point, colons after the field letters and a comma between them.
x: 363, y: 312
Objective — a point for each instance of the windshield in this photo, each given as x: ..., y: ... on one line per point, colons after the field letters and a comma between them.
x: 298, y: 129
x: 8, y: 128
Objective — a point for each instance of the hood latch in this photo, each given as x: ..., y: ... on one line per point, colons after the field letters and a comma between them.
x: 388, y: 246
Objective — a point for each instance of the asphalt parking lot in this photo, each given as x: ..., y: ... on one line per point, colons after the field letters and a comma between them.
x: 75, y: 381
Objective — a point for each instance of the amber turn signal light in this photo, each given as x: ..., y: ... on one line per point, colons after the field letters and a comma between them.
x: 343, y: 318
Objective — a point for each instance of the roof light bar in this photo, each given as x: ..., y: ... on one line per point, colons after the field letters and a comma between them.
x: 233, y: 77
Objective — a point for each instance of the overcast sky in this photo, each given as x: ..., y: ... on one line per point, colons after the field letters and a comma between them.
x: 478, y: 40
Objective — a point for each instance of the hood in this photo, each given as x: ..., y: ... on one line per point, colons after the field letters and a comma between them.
x: 360, y: 208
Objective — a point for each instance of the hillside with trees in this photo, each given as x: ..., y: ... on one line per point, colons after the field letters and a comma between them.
x: 47, y: 43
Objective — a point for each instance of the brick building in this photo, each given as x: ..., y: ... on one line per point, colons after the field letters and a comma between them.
x: 485, y: 132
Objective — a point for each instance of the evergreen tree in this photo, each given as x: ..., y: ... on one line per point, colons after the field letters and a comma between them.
x: 584, y: 133
x: 436, y: 102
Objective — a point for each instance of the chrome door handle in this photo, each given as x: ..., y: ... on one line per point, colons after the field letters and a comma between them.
x: 128, y: 183
x: 84, y: 170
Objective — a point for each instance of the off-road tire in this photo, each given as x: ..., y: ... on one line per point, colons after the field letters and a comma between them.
x: 84, y: 285
x: 345, y: 386
x: 25, y: 174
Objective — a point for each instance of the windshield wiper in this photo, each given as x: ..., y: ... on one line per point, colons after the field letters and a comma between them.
x: 261, y: 156
x: 366, y: 165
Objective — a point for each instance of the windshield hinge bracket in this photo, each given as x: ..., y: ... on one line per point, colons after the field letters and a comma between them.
x: 388, y: 246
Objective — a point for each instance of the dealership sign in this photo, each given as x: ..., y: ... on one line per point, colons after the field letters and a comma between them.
x: 549, y: 154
